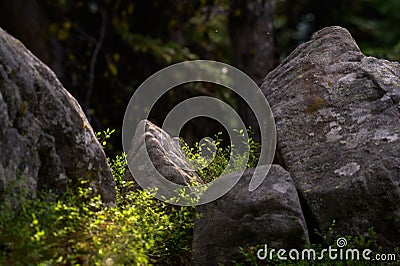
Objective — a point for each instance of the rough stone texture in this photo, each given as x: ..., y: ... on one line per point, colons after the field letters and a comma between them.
x: 269, y: 215
x: 163, y: 151
x: 45, y: 138
x: 337, y: 114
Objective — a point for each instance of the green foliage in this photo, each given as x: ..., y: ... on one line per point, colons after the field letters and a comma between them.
x: 106, y: 49
x: 383, y: 39
x: 78, y: 229
x: 211, y: 168
x: 104, y: 136
x: 371, y: 22
x: 118, y: 167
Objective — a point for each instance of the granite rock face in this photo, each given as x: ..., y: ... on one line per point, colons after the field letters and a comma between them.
x: 270, y: 215
x: 337, y: 115
x: 45, y: 138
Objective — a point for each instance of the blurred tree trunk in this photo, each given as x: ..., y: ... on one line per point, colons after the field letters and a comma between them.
x: 251, y: 31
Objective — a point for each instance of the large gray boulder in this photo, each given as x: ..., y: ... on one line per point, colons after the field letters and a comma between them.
x: 45, y: 138
x: 270, y: 215
x: 337, y: 115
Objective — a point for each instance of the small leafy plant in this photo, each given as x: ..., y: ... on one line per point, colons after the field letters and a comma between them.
x: 209, y: 171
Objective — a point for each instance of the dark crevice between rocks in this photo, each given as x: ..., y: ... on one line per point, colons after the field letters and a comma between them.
x: 279, y: 160
x: 311, y: 221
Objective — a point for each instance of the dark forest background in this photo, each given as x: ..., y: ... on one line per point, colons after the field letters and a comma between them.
x: 102, y: 50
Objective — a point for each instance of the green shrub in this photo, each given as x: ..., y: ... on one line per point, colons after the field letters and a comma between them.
x: 209, y: 171
x: 76, y: 229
